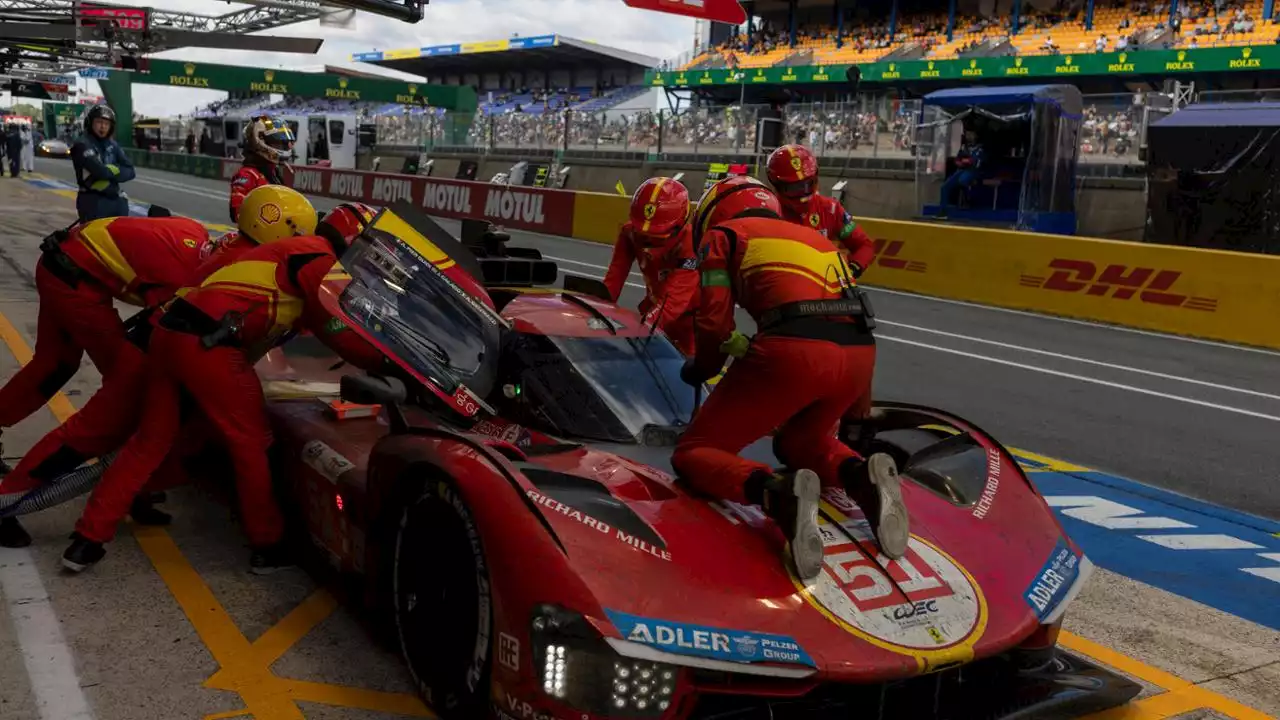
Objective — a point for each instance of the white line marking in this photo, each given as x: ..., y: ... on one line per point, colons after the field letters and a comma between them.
x: 1200, y: 542
x: 1082, y: 378
x: 1074, y: 358
x: 44, y: 652
x: 1266, y: 573
x: 1110, y: 514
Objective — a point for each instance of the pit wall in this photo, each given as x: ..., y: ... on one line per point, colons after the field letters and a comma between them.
x: 1210, y: 294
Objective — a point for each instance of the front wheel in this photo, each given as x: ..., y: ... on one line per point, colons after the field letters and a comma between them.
x: 441, y: 601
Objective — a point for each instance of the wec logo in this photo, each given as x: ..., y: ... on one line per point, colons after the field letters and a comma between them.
x: 1120, y: 282
x: 886, y: 256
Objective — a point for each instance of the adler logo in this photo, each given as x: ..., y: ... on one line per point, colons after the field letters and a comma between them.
x: 388, y: 190
x: 519, y: 206
x: 308, y: 181
x: 447, y: 199
x: 346, y: 185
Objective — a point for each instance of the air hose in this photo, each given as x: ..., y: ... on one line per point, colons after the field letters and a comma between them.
x: 56, y: 491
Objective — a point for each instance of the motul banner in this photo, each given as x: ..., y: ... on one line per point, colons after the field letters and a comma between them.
x: 525, y: 208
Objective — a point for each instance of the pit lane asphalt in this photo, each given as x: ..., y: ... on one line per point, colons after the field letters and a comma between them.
x: 136, y: 639
x: 1197, y: 418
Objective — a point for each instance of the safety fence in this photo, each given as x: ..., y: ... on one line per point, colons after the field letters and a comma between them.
x: 1201, y: 293
x: 869, y: 126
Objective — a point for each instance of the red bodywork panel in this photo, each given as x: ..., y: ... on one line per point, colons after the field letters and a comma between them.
x: 725, y: 11
x: 962, y: 591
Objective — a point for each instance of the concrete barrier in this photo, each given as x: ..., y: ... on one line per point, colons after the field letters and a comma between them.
x: 1234, y: 297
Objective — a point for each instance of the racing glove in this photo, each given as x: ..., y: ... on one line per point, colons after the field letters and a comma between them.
x: 736, y: 346
x: 856, y: 269
x: 114, y: 169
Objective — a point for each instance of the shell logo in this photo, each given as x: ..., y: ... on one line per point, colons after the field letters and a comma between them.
x: 270, y: 213
x: 189, y: 68
x: 650, y: 210
x: 189, y: 242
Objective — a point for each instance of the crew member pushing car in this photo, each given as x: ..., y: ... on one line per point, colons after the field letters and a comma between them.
x: 812, y: 358
x: 793, y: 172
x: 111, y: 415
x: 268, y: 145
x: 100, y: 166
x: 659, y: 236
x: 203, y: 347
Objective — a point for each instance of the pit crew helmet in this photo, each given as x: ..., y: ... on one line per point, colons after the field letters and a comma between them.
x: 268, y: 138
x: 99, y: 111
x: 273, y: 212
x: 659, y: 208
x: 732, y: 198
x: 342, y: 225
x: 793, y: 173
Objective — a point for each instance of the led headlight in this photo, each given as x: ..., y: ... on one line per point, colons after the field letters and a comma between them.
x: 581, y: 670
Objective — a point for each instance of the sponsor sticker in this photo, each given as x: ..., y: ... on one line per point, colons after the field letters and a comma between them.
x: 690, y: 263
x: 1054, y: 580
x: 325, y: 460
x: 739, y: 646
x: 509, y: 652
x: 983, y: 506
x: 923, y: 600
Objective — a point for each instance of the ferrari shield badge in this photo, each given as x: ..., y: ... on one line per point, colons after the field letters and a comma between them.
x: 943, y: 605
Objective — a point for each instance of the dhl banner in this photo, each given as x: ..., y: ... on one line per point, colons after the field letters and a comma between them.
x: 1186, y: 291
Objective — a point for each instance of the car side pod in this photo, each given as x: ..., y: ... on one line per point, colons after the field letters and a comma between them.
x: 389, y: 392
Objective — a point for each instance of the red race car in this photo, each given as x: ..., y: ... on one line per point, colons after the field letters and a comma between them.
x: 512, y: 508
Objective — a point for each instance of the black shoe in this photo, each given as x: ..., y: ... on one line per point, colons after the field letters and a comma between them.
x: 268, y: 560
x: 82, y: 554
x: 12, y: 534
x: 875, y: 487
x: 144, y: 512
x: 792, y: 502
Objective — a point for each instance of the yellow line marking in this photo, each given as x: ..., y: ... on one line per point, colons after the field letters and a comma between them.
x: 59, y: 405
x: 229, y: 714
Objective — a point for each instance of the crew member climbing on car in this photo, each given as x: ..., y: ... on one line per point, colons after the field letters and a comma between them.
x: 658, y: 235
x: 793, y: 172
x: 111, y: 415
x: 82, y: 271
x: 811, y: 359
x: 203, y: 347
x: 268, y: 145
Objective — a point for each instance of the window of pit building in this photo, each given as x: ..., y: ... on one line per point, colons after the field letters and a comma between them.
x: 337, y: 129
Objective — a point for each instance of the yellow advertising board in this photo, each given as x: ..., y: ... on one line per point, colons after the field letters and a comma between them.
x: 403, y: 54
x: 486, y: 46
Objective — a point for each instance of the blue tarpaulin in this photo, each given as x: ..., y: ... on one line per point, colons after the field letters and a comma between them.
x: 1067, y: 97
x: 1254, y: 115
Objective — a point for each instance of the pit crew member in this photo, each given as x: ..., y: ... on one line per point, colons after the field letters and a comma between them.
x: 100, y: 166
x: 658, y: 235
x: 203, y: 347
x: 268, y: 145
x: 812, y: 358
x: 793, y: 172
x: 82, y: 271
x: 111, y: 415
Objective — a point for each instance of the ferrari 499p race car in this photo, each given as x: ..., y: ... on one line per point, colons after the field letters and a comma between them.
x: 512, y: 507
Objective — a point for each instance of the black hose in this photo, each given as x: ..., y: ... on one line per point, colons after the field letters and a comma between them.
x: 58, y: 490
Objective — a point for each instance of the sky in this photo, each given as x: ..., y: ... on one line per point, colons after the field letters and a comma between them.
x: 608, y: 22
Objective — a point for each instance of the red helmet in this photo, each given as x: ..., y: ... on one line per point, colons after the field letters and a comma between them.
x: 793, y: 172
x: 732, y: 197
x: 660, y: 208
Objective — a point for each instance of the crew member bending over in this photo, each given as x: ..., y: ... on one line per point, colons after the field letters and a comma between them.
x: 793, y: 172
x: 268, y: 145
x: 812, y: 358
x: 658, y: 235
x: 203, y: 346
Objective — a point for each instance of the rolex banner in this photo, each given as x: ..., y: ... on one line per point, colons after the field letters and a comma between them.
x: 995, y: 69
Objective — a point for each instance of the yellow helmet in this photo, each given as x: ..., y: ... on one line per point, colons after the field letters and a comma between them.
x: 273, y: 212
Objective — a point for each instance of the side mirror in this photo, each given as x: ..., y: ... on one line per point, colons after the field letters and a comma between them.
x: 369, y: 390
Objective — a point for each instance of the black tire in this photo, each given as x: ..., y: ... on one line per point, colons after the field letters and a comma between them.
x: 441, y: 601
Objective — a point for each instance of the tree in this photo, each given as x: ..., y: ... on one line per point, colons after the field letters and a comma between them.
x: 26, y: 109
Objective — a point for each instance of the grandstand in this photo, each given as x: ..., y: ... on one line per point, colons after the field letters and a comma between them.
x: 528, y: 75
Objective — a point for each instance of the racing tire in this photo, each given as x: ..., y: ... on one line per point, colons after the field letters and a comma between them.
x: 441, y: 601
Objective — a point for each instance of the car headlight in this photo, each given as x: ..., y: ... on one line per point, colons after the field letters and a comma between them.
x: 581, y: 670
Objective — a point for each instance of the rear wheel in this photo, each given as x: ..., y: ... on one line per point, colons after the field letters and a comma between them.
x: 441, y: 601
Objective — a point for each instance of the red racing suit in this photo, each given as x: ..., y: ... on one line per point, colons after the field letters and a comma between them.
x: 670, y: 279
x: 242, y: 310
x: 249, y: 178
x: 828, y: 217
x: 140, y: 261
x: 800, y: 375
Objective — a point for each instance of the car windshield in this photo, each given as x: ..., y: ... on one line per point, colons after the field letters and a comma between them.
x: 599, y: 388
x: 418, y: 315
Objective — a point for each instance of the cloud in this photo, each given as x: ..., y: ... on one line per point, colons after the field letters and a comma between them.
x: 608, y: 22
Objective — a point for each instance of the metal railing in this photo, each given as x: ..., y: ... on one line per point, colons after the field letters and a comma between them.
x: 866, y: 127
